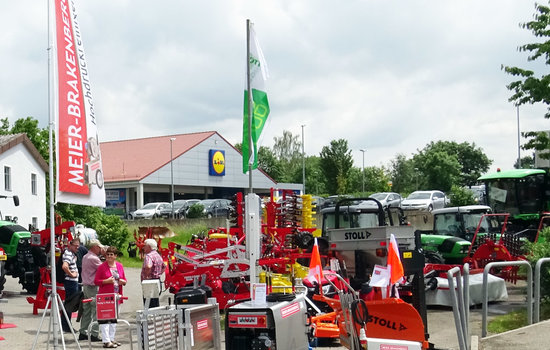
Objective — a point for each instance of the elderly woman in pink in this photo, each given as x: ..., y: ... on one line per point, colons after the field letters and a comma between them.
x: 110, y: 278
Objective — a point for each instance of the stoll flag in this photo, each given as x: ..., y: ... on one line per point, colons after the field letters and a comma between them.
x: 260, y: 105
x: 79, y: 168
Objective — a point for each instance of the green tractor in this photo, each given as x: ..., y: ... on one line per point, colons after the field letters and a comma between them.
x: 17, y: 258
x: 523, y: 193
x: 452, y: 234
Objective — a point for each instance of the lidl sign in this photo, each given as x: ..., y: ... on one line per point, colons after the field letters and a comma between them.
x: 216, y: 165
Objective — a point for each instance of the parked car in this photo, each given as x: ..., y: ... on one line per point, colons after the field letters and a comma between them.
x: 479, y: 193
x: 216, y: 207
x: 388, y: 199
x: 331, y: 201
x: 425, y: 200
x: 150, y: 210
x: 180, y: 208
x: 317, y: 201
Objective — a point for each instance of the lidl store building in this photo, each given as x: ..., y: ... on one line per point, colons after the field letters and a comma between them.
x: 198, y: 165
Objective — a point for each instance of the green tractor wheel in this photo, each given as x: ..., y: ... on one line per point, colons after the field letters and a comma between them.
x: 432, y: 257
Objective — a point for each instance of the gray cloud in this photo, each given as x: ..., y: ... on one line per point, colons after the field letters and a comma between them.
x: 387, y: 76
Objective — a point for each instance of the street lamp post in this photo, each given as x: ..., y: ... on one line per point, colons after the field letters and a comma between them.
x: 519, y: 145
x: 172, y: 139
x: 363, y: 170
x: 303, y: 163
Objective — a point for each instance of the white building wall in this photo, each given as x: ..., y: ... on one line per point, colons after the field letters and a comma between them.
x: 22, y: 165
x: 191, y: 168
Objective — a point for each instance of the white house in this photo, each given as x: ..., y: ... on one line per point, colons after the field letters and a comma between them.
x: 23, y: 175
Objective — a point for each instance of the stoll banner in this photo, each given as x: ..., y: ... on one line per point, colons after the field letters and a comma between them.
x: 79, y: 168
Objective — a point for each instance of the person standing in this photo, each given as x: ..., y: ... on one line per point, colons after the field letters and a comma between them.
x: 82, y: 250
x: 90, y: 263
x: 71, y: 279
x: 110, y: 278
x: 153, y: 266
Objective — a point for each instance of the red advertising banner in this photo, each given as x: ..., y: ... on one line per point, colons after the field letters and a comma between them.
x: 71, y: 129
x: 79, y: 168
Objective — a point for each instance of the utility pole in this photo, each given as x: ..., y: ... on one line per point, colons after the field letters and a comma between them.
x: 172, y: 139
x: 363, y: 170
x: 303, y: 163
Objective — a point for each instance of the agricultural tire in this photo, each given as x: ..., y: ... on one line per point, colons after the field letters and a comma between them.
x: 99, y: 179
x: 39, y: 256
x: 40, y: 259
x: 2, y: 275
x: 303, y: 239
x: 31, y: 286
x: 432, y: 257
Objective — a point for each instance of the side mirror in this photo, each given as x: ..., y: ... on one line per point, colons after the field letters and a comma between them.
x: 16, y: 200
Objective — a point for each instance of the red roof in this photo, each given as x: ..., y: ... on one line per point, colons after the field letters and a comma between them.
x: 133, y: 160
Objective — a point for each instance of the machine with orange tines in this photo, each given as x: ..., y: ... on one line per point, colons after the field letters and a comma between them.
x: 357, y: 233
x: 354, y: 321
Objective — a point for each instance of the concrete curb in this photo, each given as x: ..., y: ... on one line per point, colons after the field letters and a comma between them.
x: 474, y: 342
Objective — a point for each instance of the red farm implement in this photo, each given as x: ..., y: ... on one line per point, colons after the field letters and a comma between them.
x: 219, y: 261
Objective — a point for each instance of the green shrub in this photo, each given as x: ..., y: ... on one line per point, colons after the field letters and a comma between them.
x: 111, y: 230
x: 461, y: 196
x: 195, y: 211
x: 538, y: 250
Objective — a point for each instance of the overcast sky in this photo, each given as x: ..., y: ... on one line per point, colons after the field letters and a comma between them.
x: 388, y: 76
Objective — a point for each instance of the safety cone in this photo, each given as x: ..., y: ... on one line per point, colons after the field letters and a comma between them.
x: 363, y: 338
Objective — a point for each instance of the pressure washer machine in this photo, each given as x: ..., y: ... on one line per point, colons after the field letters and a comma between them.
x: 279, y: 323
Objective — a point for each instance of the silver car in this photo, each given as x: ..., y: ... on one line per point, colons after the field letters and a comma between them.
x: 424, y: 200
x: 150, y: 210
x: 388, y: 199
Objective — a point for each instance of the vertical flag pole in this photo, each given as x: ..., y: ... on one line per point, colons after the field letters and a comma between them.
x: 53, y: 298
x: 51, y: 86
x: 250, y: 106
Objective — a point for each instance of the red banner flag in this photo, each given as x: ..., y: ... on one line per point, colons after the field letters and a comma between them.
x: 79, y: 168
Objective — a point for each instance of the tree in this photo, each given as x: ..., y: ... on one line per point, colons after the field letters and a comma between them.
x: 441, y: 170
x: 266, y: 161
x: 376, y: 180
x: 315, y: 183
x: 444, y: 163
x: 529, y: 88
x: 269, y: 163
x: 527, y: 162
x: 39, y: 137
x: 336, y: 162
x: 287, y: 150
x: 404, y: 177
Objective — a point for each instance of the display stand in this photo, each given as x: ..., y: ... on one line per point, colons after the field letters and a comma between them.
x: 107, y: 312
x: 55, y: 318
x: 150, y: 290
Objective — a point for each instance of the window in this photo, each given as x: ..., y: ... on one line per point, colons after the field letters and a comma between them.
x: 7, y: 178
x: 33, y: 184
